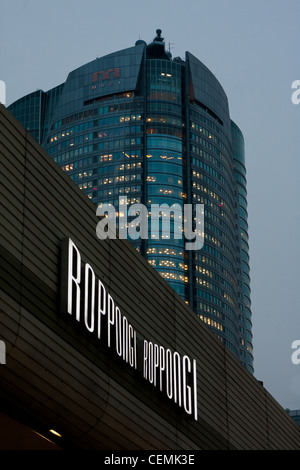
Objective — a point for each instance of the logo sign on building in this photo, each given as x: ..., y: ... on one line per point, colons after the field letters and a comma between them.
x: 106, y: 77
x: 106, y: 74
x: 87, y: 300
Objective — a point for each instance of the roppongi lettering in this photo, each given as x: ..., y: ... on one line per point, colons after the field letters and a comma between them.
x: 169, y: 370
x: 85, y: 298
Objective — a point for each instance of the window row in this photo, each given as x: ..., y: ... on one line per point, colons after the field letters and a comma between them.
x: 164, y: 143
x: 82, y: 163
x: 115, y: 202
x: 174, y: 276
x: 70, y: 154
x: 118, y: 168
x: 97, y: 111
x: 170, y: 251
x: 164, y: 179
x: 111, y: 144
x: 202, y: 130
x: 215, y: 300
x: 113, y: 156
x: 229, y: 252
x: 71, y: 130
x: 228, y: 196
x: 211, y: 286
x: 199, y: 152
x: 240, y: 178
x: 217, y: 208
x: 211, y: 217
x: 218, y: 255
x: 211, y: 322
x: 207, y: 144
x: 166, y: 130
x: 77, y: 153
x: 158, y: 95
x: 70, y: 143
x: 168, y: 263
x: 113, y: 132
x: 216, y: 277
x: 156, y: 107
x: 103, y: 123
x: 209, y: 227
x: 216, y: 266
x: 157, y: 190
x: 120, y: 190
x: 101, y: 170
x: 119, y: 179
x: 209, y: 192
x: 165, y: 119
x: 208, y: 309
x: 200, y: 118
x: 210, y: 170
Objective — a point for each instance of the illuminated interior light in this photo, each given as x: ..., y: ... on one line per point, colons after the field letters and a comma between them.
x: 55, y: 432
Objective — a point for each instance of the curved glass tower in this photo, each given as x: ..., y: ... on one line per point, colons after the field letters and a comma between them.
x: 243, y: 268
x: 138, y: 126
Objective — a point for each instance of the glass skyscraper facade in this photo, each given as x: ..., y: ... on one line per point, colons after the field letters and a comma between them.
x: 139, y: 126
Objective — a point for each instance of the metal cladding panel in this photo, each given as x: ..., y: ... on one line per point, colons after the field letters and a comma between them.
x: 206, y: 89
x: 115, y: 73
x: 59, y: 373
x: 238, y: 144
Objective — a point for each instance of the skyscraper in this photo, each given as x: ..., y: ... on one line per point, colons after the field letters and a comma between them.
x: 142, y: 126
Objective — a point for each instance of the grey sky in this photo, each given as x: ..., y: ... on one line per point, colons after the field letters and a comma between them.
x: 253, y: 49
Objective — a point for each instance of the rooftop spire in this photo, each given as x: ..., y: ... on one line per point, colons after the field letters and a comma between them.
x: 156, y: 50
x: 158, y: 37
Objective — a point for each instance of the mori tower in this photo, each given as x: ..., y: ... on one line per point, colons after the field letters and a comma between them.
x: 144, y: 127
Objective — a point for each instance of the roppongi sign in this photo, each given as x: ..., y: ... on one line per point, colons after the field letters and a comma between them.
x: 86, y: 299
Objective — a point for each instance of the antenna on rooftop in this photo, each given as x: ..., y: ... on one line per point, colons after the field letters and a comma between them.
x: 171, y: 46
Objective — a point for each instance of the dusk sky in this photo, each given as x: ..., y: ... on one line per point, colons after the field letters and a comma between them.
x: 252, y: 47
